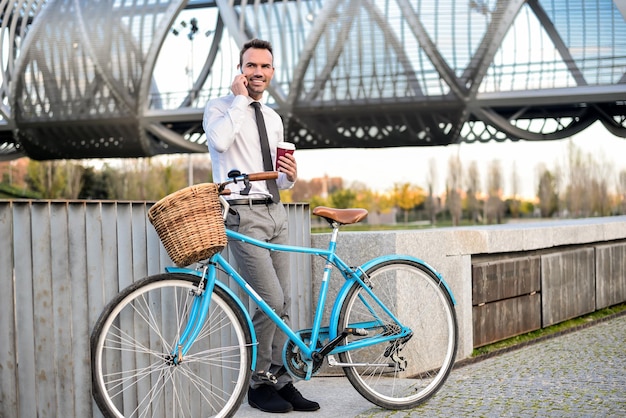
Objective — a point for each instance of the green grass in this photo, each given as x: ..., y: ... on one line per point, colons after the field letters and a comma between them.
x: 367, y: 227
x: 362, y: 226
x: 10, y: 192
x: 569, y: 325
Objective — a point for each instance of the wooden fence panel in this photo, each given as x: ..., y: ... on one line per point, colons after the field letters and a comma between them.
x: 506, y: 278
x: 301, y: 295
x: 567, y: 285
x: 25, y: 335
x: 8, y: 352
x: 505, y: 298
x: 127, y: 255
x: 60, y: 263
x: 506, y: 318
x: 78, y: 271
x: 516, y: 293
x: 43, y: 310
x: 610, y: 274
x: 62, y: 361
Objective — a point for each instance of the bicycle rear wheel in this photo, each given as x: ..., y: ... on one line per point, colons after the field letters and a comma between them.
x: 133, y: 372
x: 400, y: 374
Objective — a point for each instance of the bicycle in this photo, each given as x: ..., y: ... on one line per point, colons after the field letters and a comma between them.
x: 182, y: 342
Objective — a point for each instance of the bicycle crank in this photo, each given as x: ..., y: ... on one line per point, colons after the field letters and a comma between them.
x: 294, y: 362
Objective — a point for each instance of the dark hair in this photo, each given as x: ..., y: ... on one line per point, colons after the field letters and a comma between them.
x: 257, y: 44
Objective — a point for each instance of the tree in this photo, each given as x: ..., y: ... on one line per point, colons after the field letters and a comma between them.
x: 601, y: 172
x: 578, y: 191
x: 343, y: 198
x: 54, y: 179
x: 472, y: 184
x: 454, y: 184
x: 493, y: 205
x: 372, y: 201
x: 547, y: 193
x: 432, y: 202
x: 587, y: 191
x: 94, y: 185
x: 407, y: 196
x: 621, y: 192
x: 514, y: 206
x: 146, y: 178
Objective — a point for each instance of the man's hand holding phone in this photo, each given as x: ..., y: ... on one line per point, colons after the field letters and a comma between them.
x: 240, y: 85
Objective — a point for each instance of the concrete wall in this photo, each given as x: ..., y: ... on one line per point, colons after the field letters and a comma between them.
x: 454, y: 251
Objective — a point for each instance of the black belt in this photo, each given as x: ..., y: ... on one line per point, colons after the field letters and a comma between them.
x: 265, y: 201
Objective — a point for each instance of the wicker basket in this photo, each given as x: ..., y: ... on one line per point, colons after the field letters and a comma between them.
x: 189, y: 223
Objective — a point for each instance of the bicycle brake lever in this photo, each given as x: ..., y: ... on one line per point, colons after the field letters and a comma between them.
x: 246, y: 189
x: 236, y: 176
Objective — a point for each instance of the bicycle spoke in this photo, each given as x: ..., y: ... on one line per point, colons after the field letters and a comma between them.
x: 150, y: 397
x: 135, y: 374
x: 421, y: 358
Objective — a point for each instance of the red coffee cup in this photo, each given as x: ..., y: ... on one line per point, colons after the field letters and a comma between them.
x: 282, y: 149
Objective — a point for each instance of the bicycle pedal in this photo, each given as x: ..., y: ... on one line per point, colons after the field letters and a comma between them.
x: 265, y: 377
x: 359, y: 332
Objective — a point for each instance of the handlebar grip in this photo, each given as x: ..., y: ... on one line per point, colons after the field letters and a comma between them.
x: 266, y: 175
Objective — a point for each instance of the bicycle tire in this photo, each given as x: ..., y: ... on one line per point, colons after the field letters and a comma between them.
x: 419, y: 300
x: 132, y: 370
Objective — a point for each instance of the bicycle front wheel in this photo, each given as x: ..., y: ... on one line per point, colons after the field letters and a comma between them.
x: 133, y: 370
x: 404, y: 372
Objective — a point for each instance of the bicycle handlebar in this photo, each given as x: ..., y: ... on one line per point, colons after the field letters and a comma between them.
x: 236, y: 176
x: 265, y: 175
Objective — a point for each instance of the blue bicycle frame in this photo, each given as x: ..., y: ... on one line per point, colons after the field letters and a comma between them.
x: 353, y: 277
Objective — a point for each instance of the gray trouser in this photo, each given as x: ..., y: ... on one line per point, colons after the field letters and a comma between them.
x: 268, y: 274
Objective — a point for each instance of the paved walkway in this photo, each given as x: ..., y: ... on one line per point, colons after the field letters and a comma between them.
x: 579, y: 374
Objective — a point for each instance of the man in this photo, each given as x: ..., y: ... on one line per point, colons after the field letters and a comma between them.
x: 233, y: 138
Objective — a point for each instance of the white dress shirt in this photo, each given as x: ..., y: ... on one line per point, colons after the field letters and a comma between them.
x: 233, y: 140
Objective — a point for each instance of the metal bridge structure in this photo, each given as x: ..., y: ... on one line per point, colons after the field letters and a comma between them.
x: 130, y: 78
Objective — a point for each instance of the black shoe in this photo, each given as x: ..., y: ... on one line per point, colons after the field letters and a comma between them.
x: 295, y: 398
x: 267, y: 399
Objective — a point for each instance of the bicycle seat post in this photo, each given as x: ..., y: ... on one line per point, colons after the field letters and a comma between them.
x: 333, y: 237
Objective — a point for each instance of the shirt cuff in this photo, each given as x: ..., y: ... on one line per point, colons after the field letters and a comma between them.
x: 241, y: 102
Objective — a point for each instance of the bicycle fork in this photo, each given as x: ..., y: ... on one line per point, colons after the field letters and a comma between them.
x: 197, y: 314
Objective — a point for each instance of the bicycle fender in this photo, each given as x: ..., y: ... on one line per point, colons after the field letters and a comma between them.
x: 390, y: 257
x: 236, y: 298
x: 343, y: 292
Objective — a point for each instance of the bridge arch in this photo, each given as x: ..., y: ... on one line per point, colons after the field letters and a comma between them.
x: 79, y: 77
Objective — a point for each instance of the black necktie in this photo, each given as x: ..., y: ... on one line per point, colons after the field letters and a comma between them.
x: 265, y: 150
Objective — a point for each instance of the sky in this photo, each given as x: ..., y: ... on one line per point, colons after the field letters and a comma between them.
x: 381, y: 168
